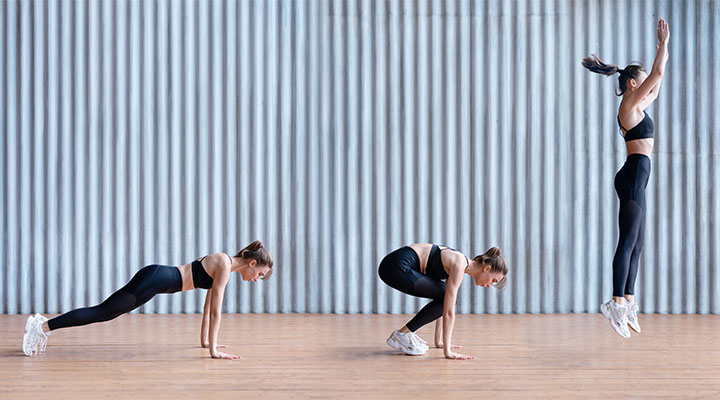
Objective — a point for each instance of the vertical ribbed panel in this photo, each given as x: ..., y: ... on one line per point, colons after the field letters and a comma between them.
x: 338, y: 131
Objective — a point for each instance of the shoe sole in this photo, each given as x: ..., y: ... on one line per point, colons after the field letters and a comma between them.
x: 397, y: 346
x: 606, y: 313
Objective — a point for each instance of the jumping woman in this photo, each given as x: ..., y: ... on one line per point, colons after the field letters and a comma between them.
x: 211, y: 272
x: 638, y: 91
x: 436, y: 272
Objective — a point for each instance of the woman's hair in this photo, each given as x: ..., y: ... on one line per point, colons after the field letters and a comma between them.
x: 257, y: 252
x: 632, y: 71
x: 494, y: 258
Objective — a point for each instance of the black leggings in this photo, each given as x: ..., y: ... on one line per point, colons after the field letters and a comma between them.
x: 401, y: 270
x: 630, y: 184
x: 146, y: 283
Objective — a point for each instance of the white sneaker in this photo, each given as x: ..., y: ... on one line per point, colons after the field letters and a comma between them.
x: 418, y: 338
x: 617, y: 315
x: 29, y: 343
x: 632, y: 317
x: 421, y: 343
x: 34, y: 339
x: 407, y: 343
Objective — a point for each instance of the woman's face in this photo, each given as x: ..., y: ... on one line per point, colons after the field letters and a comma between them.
x: 254, y: 272
x: 636, y: 82
x: 485, y: 278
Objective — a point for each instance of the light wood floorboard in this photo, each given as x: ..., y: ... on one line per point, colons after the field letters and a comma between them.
x: 345, y: 356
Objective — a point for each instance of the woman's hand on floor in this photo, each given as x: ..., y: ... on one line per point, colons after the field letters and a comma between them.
x: 458, y: 356
x: 223, y: 356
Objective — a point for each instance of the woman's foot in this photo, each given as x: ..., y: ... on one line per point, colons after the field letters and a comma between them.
x: 34, y: 339
x: 617, y: 315
x: 632, y: 317
x: 407, y: 343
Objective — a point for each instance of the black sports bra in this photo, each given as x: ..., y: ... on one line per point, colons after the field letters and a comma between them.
x: 434, y: 267
x: 201, y: 279
x: 644, y: 130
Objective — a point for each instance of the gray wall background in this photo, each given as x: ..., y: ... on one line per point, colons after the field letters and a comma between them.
x: 336, y: 131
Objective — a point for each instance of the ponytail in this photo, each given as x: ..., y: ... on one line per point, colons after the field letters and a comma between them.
x: 256, y: 251
x: 594, y: 64
x: 494, y: 258
x: 632, y: 71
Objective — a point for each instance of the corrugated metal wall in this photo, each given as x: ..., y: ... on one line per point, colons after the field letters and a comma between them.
x: 156, y: 132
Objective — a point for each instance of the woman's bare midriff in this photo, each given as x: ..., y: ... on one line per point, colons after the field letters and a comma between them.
x: 640, y: 146
x: 186, y: 273
x: 423, y: 251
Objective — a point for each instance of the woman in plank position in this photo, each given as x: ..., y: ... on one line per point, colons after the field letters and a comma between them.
x: 211, y: 272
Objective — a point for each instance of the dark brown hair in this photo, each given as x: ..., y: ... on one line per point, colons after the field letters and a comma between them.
x: 632, y: 71
x: 494, y: 258
x: 257, y: 252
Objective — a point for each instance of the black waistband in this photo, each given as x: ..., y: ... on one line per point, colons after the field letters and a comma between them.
x: 637, y: 157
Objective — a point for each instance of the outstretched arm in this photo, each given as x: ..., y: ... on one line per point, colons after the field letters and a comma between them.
x: 205, y: 327
x: 648, y: 91
x: 222, y: 275
x: 438, y: 333
x: 453, y: 284
x: 438, y: 336
x: 645, y: 103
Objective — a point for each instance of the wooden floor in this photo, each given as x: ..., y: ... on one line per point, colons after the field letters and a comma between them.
x: 345, y: 356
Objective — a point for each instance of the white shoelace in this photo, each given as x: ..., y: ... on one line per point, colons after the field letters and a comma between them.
x: 42, y: 338
x: 419, y: 339
x: 38, y: 338
x: 415, y: 340
x: 408, y: 338
x: 620, y: 314
x: 33, y: 343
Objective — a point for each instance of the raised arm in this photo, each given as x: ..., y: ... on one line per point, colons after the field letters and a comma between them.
x: 648, y: 91
x: 453, y: 284
x: 645, y: 103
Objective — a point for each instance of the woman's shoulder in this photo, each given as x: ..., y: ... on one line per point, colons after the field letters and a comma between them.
x: 454, y: 259
x: 218, y: 259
